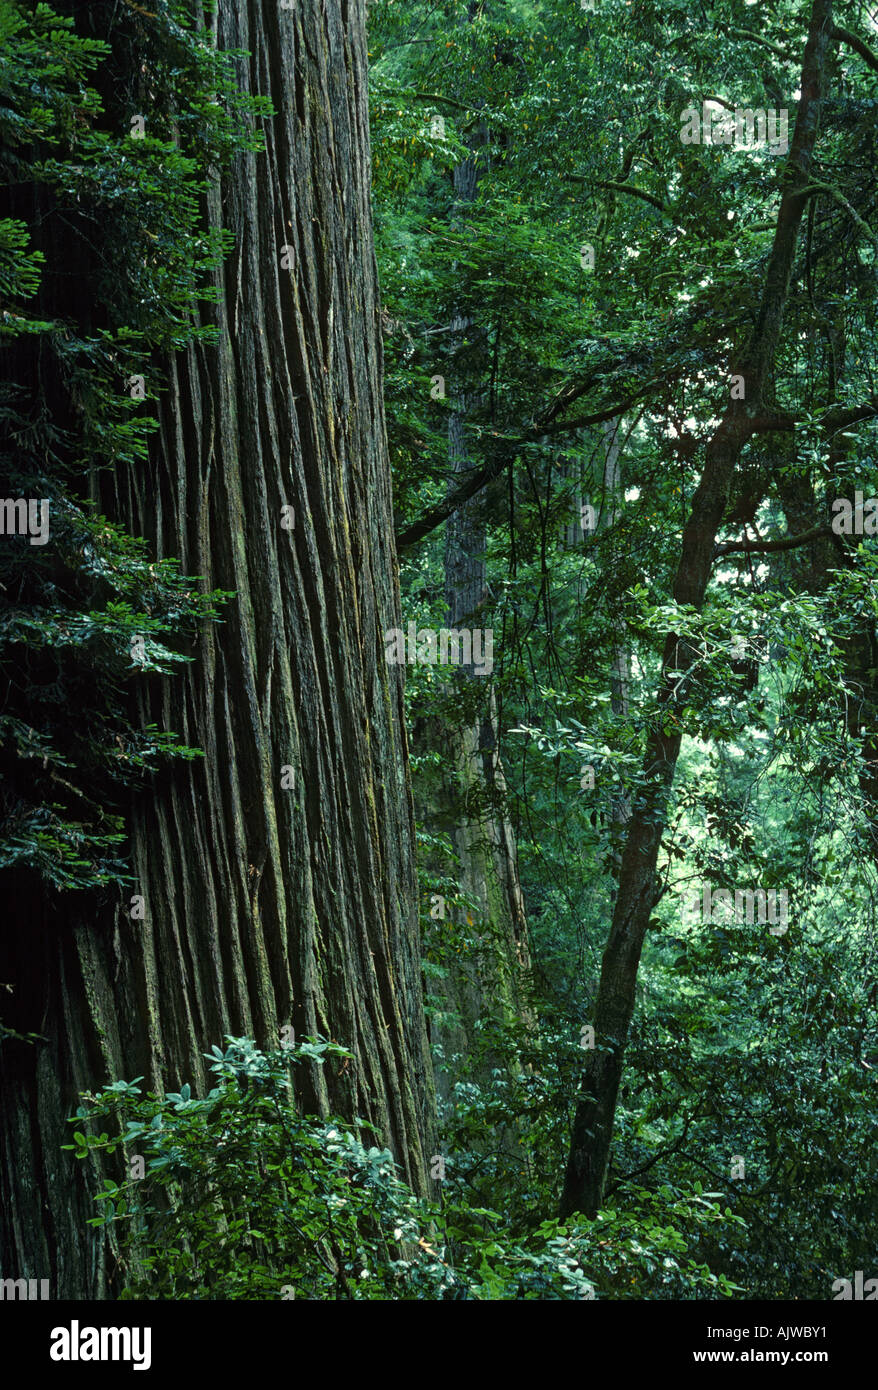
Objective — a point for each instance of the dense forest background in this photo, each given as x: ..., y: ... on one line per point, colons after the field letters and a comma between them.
x: 439, y: 717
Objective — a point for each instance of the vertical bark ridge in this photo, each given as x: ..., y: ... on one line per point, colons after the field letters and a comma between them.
x: 264, y: 905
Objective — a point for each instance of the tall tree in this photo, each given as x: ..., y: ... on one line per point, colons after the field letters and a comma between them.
x: 275, y: 875
x: 475, y: 787
x: 593, y: 1122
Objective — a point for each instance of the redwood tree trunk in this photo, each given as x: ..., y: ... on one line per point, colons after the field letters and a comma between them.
x: 278, y: 871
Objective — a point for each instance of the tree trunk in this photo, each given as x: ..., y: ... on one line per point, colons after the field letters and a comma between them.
x: 474, y: 790
x: 593, y: 1122
x: 620, y: 666
x: 278, y: 871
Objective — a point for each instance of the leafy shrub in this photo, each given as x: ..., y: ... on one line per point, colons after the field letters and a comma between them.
x: 237, y: 1196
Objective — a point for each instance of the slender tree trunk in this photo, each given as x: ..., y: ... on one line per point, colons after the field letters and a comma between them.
x: 620, y: 666
x: 472, y: 795
x: 475, y: 786
x: 278, y: 871
x: 593, y: 1122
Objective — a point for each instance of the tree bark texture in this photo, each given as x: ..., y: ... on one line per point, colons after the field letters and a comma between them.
x: 278, y: 871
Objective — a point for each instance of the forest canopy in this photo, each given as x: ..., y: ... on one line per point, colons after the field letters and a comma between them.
x: 438, y: 600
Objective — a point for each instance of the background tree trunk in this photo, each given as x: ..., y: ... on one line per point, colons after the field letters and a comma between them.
x: 595, y: 1112
x: 473, y: 792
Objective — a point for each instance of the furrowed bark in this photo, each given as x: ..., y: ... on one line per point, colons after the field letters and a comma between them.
x: 265, y: 904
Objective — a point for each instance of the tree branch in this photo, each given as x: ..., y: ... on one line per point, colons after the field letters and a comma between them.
x: 841, y: 418
x: 764, y: 43
x: 425, y: 96
x: 856, y: 43
x: 652, y: 198
x: 434, y: 516
x: 662, y: 1153
x: 635, y: 193
x: 838, y: 419
x: 596, y: 418
x: 766, y: 547
x: 763, y: 423
x: 839, y: 197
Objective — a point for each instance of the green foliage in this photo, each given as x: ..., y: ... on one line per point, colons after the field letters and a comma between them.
x: 743, y: 1045
x: 103, y: 258
x: 244, y: 1198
